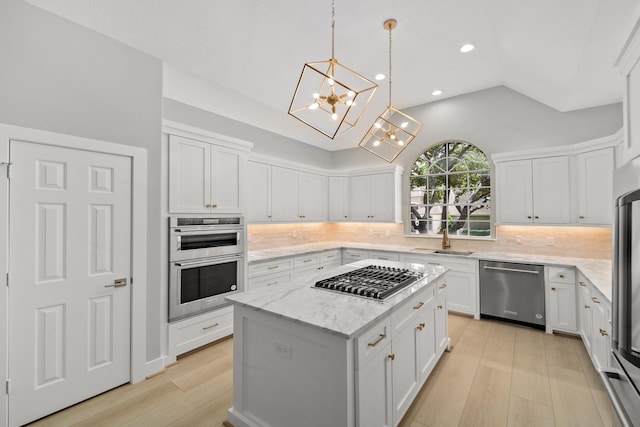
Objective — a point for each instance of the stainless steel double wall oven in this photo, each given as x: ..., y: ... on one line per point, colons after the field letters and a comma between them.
x: 206, y: 263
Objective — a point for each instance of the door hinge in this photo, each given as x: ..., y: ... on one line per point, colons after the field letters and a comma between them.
x: 8, y: 168
x: 7, y: 279
x: 8, y: 386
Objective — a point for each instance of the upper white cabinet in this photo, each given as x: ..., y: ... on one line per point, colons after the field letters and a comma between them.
x: 376, y: 197
x: 555, y: 186
x: 338, y: 198
x: 627, y: 64
x: 533, y: 191
x: 285, y: 195
x: 204, y: 177
x: 595, y: 187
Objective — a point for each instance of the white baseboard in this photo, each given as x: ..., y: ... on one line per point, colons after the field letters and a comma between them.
x: 156, y: 366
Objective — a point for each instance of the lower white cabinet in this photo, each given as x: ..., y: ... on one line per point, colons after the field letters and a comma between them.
x: 394, y: 359
x: 193, y: 332
x: 286, y: 269
x: 352, y: 255
x: 562, y: 299
x: 595, y: 323
x: 462, y: 280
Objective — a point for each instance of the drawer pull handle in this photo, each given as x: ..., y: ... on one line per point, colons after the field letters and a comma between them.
x: 553, y: 289
x: 330, y: 256
x: 434, y: 263
x: 272, y: 267
x: 444, y: 285
x: 272, y: 283
x: 204, y: 328
x: 561, y: 276
x: 392, y: 356
x: 586, y: 306
x: 581, y: 217
x: 582, y: 284
x: 307, y: 260
x: 594, y: 299
x: 439, y: 306
x: 603, y: 332
x: 376, y: 342
x: 420, y: 326
x: 417, y: 307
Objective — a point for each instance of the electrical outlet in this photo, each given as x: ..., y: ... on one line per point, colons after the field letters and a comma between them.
x: 550, y: 241
x: 284, y: 351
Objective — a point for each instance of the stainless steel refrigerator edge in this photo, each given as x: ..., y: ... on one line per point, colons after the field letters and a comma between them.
x: 622, y: 381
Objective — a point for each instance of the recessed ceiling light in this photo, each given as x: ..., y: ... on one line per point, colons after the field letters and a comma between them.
x: 380, y: 76
x: 467, y: 48
x: 436, y: 92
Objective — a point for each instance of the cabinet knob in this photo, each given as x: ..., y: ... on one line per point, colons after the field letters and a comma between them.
x: 582, y: 284
x: 439, y: 306
x: 536, y: 217
x: 529, y: 216
x: 420, y: 326
x: 553, y: 289
x: 581, y: 217
x: 603, y: 332
x: 586, y: 306
x: 444, y: 285
x: 561, y: 276
x: 345, y: 216
x: 214, y: 206
x: 392, y: 356
x: 207, y: 206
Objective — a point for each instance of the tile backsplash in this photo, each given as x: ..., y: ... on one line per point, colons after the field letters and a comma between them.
x: 579, y: 242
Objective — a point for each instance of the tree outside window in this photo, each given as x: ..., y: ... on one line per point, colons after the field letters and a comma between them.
x: 451, y: 187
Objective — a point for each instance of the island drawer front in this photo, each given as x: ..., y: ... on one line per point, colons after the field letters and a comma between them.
x: 402, y: 315
x: 270, y: 280
x: 562, y: 275
x: 306, y: 260
x: 268, y: 267
x: 371, y: 342
x: 454, y: 264
x: 584, y: 285
x: 331, y: 257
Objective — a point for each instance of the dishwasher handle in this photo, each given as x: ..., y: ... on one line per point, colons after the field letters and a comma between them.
x: 514, y: 270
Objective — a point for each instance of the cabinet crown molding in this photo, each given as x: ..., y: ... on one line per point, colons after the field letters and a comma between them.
x: 564, y: 150
x: 192, y: 132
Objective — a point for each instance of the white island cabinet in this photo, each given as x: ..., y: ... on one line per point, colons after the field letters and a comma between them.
x: 310, y: 357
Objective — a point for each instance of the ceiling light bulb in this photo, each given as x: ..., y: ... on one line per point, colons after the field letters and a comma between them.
x: 377, y: 125
x: 316, y: 95
x: 331, y: 82
x: 436, y: 92
x: 467, y: 48
x: 400, y: 142
x: 376, y: 143
x: 404, y: 125
x: 314, y: 106
x: 392, y: 136
x: 380, y: 76
x: 351, y: 94
x: 349, y: 102
x: 334, y: 116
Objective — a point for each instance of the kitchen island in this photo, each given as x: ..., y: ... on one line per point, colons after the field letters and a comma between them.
x: 305, y: 356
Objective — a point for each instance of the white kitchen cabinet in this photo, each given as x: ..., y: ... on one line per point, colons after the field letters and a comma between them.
x: 338, y: 198
x: 533, y: 191
x: 462, y: 286
x: 585, y: 305
x: 440, y: 315
x: 196, y: 331
x: 269, y: 272
x: 628, y: 65
x: 353, y: 255
x: 595, y: 187
x: 601, y: 344
x: 258, y: 192
x: 297, y: 196
x: 204, y: 177
x: 376, y: 197
x: 404, y: 364
x: 562, y: 299
x: 374, y: 389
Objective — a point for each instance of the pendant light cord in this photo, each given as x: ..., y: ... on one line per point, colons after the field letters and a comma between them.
x: 390, y: 65
x: 333, y: 28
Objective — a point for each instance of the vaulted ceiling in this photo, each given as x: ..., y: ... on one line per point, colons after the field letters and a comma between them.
x: 560, y: 53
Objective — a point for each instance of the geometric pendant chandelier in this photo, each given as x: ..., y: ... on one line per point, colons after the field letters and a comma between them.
x: 331, y: 97
x: 393, y: 130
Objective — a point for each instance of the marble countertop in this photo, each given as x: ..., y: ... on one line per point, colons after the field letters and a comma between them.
x: 333, y: 312
x: 596, y: 270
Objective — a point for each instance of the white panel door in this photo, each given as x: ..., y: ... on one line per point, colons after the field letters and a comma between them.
x: 70, y: 239
x: 514, y: 192
x: 284, y: 194
x: 595, y: 187
x: 258, y: 192
x: 551, y: 190
x: 313, y: 197
x: 227, y: 180
x: 382, y: 197
x: 338, y: 198
x: 189, y: 175
x: 361, y: 198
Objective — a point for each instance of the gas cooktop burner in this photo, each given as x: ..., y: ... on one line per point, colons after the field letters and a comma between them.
x: 372, y: 281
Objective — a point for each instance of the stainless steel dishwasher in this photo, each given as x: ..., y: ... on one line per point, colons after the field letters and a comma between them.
x: 512, y: 291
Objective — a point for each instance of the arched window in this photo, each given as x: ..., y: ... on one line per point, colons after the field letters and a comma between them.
x: 451, y: 184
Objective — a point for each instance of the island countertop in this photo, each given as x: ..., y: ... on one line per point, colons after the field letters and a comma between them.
x: 342, y: 314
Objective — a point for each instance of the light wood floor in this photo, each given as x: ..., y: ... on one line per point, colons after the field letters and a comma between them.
x: 497, y: 374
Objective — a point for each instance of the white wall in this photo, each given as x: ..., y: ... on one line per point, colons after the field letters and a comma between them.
x: 61, y: 77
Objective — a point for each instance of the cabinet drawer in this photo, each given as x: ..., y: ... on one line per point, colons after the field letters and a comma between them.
x: 454, y: 264
x: 191, y: 333
x: 331, y: 257
x: 410, y: 309
x: 307, y: 271
x: 584, y: 286
x: 350, y: 255
x: 306, y: 260
x: 387, y: 256
x: 441, y: 286
x: 270, y: 280
x: 268, y: 267
x: 562, y: 275
x: 372, y: 341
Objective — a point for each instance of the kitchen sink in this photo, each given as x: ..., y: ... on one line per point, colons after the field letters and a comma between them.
x: 442, y: 251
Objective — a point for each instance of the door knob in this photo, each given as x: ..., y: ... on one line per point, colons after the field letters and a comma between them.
x: 118, y: 283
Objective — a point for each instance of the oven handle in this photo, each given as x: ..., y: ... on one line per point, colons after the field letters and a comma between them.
x: 207, y: 261
x: 207, y: 230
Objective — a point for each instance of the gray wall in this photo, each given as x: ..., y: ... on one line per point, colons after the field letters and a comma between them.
x: 496, y: 120
x: 61, y: 77
x: 265, y: 142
